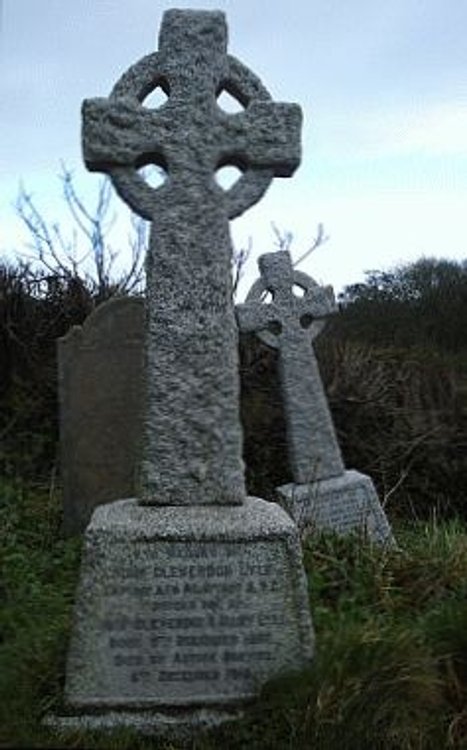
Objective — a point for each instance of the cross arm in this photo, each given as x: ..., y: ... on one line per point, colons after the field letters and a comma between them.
x: 118, y: 133
x: 267, y: 136
x: 319, y: 301
x: 255, y: 316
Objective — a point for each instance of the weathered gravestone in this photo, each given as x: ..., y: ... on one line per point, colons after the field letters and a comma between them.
x: 100, y: 368
x: 192, y: 595
x: 323, y: 494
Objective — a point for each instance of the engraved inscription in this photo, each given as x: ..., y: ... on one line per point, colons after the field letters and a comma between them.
x: 344, y: 510
x: 197, y: 613
x: 344, y: 515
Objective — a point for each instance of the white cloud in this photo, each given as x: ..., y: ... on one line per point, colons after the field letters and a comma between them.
x: 420, y: 129
x: 442, y: 129
x: 382, y: 88
x: 369, y: 230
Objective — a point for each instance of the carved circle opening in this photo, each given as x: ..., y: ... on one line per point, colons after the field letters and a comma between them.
x: 267, y: 297
x: 153, y: 175
x: 157, y: 98
x: 227, y: 175
x: 229, y: 103
x: 152, y: 168
x: 306, y: 320
x: 275, y: 327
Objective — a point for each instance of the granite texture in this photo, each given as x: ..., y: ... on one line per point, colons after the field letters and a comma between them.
x: 100, y: 374
x: 348, y: 503
x: 186, y: 606
x: 165, y: 724
x: 289, y: 323
x: 192, y: 447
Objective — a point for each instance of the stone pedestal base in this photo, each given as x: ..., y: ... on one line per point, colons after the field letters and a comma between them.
x: 342, y: 504
x: 184, y: 608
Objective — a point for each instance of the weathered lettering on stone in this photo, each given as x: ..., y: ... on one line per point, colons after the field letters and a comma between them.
x: 204, y: 621
x: 344, y: 504
x: 192, y: 452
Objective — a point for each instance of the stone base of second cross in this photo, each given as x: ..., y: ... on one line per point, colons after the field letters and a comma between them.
x: 182, y: 615
x: 343, y: 504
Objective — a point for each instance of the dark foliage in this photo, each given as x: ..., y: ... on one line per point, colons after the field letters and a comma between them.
x: 393, y: 365
x: 421, y: 304
x: 264, y: 434
x: 35, y: 310
x: 400, y: 411
x: 401, y: 417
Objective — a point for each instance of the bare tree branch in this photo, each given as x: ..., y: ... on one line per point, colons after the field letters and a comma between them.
x: 320, y: 239
x: 283, y: 239
x: 240, y: 258
x: 63, y: 253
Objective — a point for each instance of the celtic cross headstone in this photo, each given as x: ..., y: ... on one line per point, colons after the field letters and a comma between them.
x: 192, y: 595
x: 289, y: 323
x: 323, y: 493
x: 192, y: 442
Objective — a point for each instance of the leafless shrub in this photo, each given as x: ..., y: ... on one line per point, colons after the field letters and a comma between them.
x: 83, y: 252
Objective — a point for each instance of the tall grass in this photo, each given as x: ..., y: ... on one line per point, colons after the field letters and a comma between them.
x: 400, y: 416
x: 390, y: 670
x: 39, y: 572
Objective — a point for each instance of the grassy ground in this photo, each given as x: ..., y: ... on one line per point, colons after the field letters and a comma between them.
x: 390, y: 670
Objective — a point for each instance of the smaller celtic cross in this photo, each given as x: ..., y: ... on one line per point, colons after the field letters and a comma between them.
x: 289, y: 323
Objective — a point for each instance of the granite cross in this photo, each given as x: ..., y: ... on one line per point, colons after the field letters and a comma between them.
x: 192, y: 436
x: 290, y: 322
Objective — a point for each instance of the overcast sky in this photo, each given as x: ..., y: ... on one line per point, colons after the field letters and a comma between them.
x: 383, y: 88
